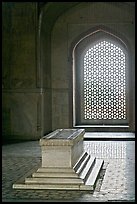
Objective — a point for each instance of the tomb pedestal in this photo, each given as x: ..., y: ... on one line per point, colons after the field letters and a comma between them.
x: 65, y: 164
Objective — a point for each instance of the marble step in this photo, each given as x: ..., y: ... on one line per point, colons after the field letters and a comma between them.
x: 92, y: 178
x: 55, y: 174
x: 54, y: 181
x: 80, y: 161
x: 55, y: 170
x: 87, y: 168
x: 47, y: 186
x: 82, y: 164
x: 95, y: 172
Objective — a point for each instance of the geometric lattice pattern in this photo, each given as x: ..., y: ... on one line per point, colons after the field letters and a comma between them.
x: 104, y: 82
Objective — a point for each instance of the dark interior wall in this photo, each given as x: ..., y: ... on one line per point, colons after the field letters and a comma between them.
x: 48, y: 16
x: 19, y: 47
x: 21, y: 95
x: 44, y: 54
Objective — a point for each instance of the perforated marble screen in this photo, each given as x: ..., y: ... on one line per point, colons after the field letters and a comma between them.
x: 104, y: 82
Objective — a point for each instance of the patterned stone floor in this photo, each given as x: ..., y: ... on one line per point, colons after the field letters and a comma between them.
x: 117, y: 183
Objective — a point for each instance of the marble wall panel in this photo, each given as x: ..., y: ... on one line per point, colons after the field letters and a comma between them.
x: 60, y: 109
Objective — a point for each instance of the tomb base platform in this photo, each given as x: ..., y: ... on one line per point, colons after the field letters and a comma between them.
x: 64, y: 164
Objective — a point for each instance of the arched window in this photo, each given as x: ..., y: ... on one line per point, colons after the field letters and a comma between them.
x: 100, y: 83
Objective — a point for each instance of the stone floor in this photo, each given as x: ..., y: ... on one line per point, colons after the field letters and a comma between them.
x: 115, y: 184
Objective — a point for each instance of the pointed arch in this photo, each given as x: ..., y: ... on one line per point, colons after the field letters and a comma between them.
x: 101, y: 79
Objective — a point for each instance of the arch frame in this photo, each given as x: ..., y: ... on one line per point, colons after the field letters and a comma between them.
x: 82, y: 43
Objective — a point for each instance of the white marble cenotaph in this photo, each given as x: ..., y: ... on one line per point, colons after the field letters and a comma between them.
x: 65, y: 164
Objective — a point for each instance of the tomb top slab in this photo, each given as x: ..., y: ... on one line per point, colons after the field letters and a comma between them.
x: 62, y: 136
